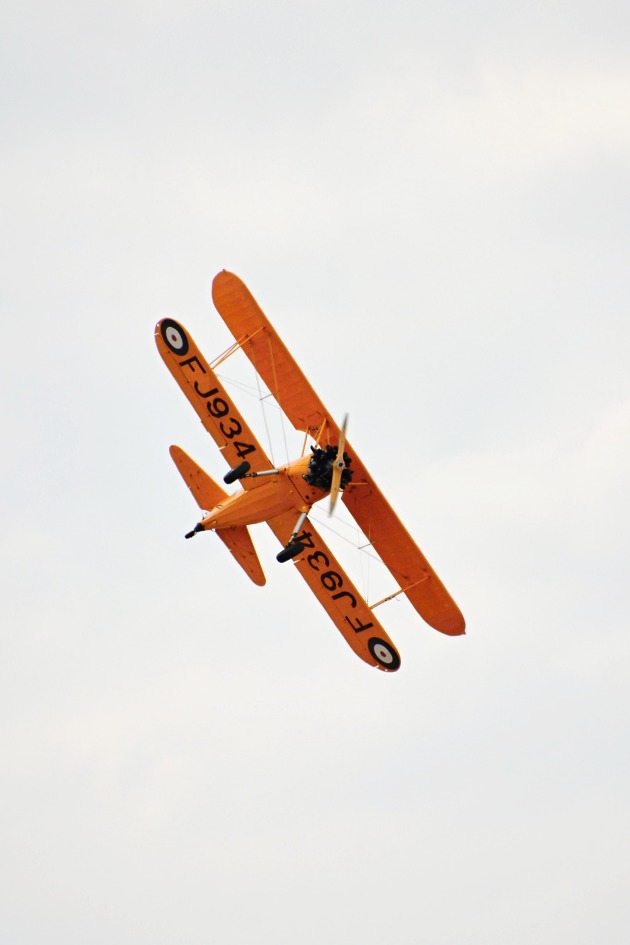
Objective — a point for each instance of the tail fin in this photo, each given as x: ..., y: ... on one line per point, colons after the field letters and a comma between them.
x: 207, y: 495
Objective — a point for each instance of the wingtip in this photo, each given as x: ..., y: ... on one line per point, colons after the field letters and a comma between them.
x: 221, y: 276
x: 451, y: 628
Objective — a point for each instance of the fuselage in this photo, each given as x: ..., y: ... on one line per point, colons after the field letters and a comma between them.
x: 268, y: 496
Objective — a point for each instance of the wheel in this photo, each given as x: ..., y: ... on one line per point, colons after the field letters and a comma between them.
x: 291, y: 551
x: 237, y: 473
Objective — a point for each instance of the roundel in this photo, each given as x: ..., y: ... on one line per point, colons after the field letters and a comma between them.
x: 384, y: 654
x: 174, y: 336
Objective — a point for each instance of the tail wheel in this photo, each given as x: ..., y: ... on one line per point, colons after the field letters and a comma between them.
x: 198, y: 528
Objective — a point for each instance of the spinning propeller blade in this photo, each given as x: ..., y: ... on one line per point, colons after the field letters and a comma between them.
x: 338, y: 467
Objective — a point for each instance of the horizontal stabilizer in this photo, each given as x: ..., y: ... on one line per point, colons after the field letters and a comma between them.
x: 240, y: 543
x: 206, y: 493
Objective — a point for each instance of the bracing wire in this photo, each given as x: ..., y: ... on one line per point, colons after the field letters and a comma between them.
x: 366, y: 557
x: 239, y: 385
x: 276, y: 394
x: 262, y: 407
x: 354, y: 542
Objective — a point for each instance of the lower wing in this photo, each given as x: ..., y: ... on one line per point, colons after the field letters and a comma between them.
x: 209, y: 398
x: 338, y: 595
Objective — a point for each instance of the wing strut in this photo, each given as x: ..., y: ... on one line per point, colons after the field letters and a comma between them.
x: 401, y: 590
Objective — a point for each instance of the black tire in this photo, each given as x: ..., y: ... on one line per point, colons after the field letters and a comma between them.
x: 237, y: 473
x: 291, y: 551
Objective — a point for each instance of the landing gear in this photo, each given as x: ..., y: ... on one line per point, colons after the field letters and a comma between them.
x: 292, y: 550
x: 198, y: 528
x: 237, y: 472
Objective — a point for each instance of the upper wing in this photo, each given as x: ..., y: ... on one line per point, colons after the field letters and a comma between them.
x: 338, y: 595
x: 365, y: 501
x: 208, y: 396
x: 260, y: 342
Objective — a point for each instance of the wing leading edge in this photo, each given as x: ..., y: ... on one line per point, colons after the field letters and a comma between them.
x: 364, y: 500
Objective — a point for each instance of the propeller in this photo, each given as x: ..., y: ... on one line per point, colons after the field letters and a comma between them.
x: 338, y: 467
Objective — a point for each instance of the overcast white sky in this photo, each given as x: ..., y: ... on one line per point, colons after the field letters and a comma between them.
x: 430, y: 201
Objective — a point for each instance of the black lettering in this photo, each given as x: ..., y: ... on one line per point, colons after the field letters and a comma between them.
x: 358, y: 627
x: 306, y: 539
x: 319, y: 555
x: 331, y: 580
x: 210, y: 393
x: 190, y: 362
x: 242, y: 449
x: 234, y: 430
x: 217, y: 407
x: 353, y: 600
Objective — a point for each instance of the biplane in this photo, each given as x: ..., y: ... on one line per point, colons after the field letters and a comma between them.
x: 284, y: 496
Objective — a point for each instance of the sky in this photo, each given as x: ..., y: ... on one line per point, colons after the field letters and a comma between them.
x: 431, y: 204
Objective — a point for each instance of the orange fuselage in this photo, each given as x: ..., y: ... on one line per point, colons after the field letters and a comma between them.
x: 270, y: 496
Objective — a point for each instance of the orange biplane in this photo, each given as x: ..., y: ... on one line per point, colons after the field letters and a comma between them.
x: 283, y: 497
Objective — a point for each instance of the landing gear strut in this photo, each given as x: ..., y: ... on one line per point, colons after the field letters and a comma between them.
x: 293, y: 548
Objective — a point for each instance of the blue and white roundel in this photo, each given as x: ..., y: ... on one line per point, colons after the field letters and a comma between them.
x: 174, y: 336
